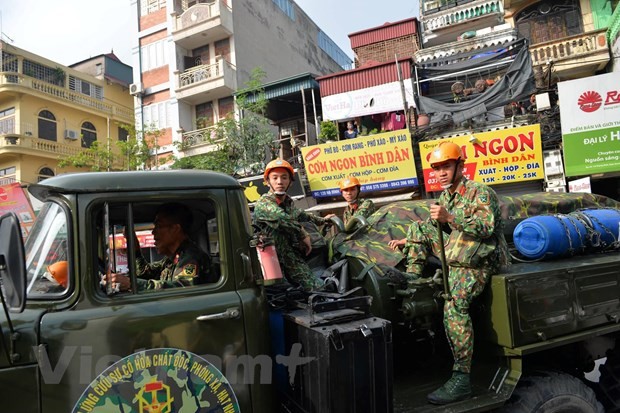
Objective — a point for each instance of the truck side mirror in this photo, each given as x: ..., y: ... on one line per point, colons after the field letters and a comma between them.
x: 12, y: 264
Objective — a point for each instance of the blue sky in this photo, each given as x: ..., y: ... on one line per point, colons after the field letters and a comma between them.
x: 68, y: 31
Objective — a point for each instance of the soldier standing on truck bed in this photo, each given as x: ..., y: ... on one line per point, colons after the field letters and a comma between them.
x: 276, y: 214
x: 350, y: 189
x: 476, y: 249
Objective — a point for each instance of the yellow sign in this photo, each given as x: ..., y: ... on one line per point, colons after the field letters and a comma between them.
x: 381, y: 161
x: 497, y: 157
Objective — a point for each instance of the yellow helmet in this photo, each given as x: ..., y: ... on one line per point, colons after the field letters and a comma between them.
x: 278, y: 163
x: 59, y: 272
x: 445, y: 151
x: 349, y: 182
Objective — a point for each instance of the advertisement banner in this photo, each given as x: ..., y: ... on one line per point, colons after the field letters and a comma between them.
x: 382, y: 161
x: 590, y: 117
x: 13, y: 199
x: 368, y: 101
x: 497, y: 157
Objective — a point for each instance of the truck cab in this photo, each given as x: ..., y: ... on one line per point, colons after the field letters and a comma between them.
x: 73, y: 343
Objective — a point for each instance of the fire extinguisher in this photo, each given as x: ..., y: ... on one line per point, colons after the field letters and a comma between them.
x: 268, y: 258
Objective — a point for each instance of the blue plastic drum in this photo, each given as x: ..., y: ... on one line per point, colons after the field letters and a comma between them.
x: 606, y: 222
x: 550, y: 236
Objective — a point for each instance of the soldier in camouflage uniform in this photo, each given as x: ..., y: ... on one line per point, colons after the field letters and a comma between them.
x: 278, y: 217
x: 185, y: 263
x: 356, y: 206
x: 475, y: 249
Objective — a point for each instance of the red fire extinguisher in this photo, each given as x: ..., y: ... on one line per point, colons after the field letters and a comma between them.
x: 268, y: 257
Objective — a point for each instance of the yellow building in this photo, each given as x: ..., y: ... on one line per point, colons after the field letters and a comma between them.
x: 49, y: 111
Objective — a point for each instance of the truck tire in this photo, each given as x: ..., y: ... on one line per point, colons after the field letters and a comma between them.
x: 609, y: 382
x: 552, y: 393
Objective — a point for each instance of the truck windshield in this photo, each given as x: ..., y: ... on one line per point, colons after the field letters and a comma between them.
x: 47, y: 254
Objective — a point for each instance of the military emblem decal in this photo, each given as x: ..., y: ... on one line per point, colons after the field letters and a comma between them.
x: 189, y: 270
x: 163, y: 380
x: 483, y: 199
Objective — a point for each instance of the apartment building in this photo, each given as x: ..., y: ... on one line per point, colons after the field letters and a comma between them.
x: 192, y: 56
x: 49, y: 111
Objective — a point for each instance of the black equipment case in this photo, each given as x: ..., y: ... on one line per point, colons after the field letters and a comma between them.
x: 348, y: 366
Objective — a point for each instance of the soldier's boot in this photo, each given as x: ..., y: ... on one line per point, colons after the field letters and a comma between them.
x: 456, y: 389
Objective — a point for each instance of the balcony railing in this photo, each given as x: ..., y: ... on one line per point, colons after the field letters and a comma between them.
x: 572, y: 47
x: 501, y: 35
x: 204, y: 136
x: 463, y: 14
x: 218, y: 79
x: 202, y: 21
x: 24, y: 142
x: 201, y: 73
x: 196, y: 14
x: 69, y: 96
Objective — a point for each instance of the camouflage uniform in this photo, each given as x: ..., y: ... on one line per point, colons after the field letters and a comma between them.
x: 475, y: 249
x: 282, y: 222
x: 188, y: 267
x: 361, y: 207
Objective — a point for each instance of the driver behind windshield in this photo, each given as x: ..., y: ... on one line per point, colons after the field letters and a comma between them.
x: 184, y: 265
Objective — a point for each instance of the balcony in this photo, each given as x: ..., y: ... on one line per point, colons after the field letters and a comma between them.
x: 573, y: 56
x: 19, y: 139
x: 199, y: 141
x: 17, y: 83
x: 446, y: 25
x: 484, y: 38
x: 202, y: 24
x: 206, y: 82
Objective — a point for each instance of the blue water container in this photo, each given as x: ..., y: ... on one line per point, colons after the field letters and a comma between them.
x: 606, y: 222
x: 550, y: 236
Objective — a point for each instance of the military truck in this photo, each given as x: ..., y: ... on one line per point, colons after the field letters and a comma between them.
x: 72, y: 343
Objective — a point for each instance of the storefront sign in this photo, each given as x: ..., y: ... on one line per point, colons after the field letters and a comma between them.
x: 590, y: 116
x: 580, y: 185
x: 13, y: 199
x: 497, y: 157
x: 377, y: 99
x: 381, y: 161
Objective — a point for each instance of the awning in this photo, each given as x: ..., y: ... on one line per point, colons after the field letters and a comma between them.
x: 285, y: 100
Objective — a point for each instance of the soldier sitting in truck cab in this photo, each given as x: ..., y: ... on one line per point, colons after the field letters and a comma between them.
x: 185, y: 263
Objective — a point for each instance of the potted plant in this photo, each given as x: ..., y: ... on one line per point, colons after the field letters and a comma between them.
x: 329, y: 131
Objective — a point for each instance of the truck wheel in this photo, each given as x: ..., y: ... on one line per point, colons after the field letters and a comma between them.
x: 609, y: 382
x: 552, y: 393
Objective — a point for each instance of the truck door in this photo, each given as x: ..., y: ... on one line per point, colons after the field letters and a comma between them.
x: 164, y: 343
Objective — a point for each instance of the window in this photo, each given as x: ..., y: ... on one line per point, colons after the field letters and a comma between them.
x: 122, y: 134
x: 85, y: 88
x: 45, y: 173
x: 47, y: 126
x: 157, y: 115
x: 154, y: 55
x: 204, y: 115
x: 159, y: 265
x: 7, y: 121
x: 546, y: 21
x: 7, y: 175
x: 328, y: 46
x: 48, y: 266
x: 89, y: 134
x: 151, y: 6
x: 98, y: 69
x: 287, y: 7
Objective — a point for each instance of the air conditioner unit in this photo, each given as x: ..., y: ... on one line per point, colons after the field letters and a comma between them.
x: 71, y: 134
x: 135, y: 89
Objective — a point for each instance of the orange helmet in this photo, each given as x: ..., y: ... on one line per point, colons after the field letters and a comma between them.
x: 59, y: 272
x: 349, y: 182
x: 278, y: 163
x: 446, y: 151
